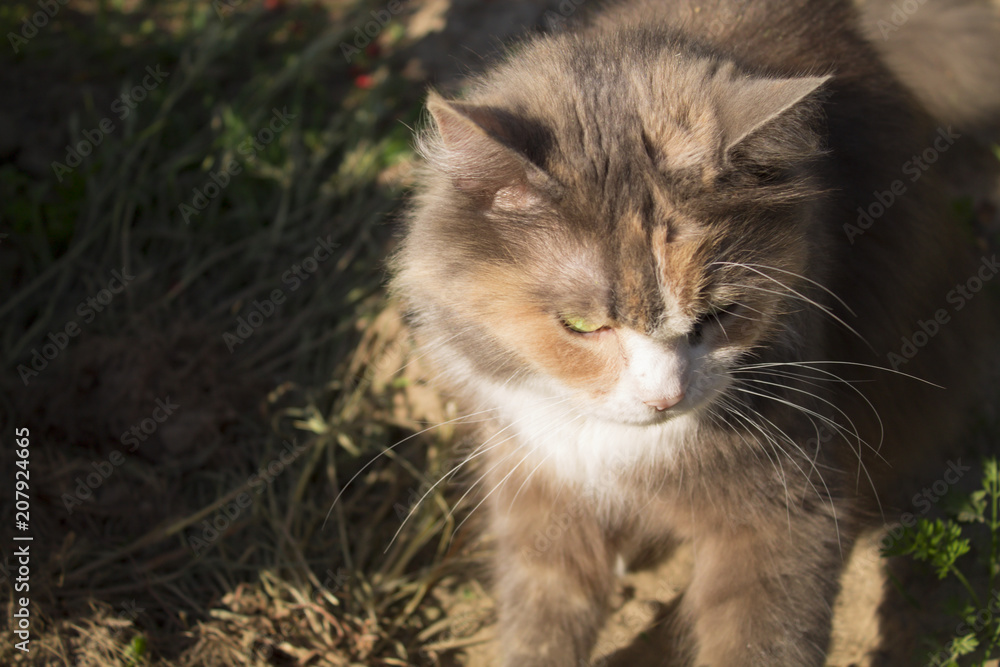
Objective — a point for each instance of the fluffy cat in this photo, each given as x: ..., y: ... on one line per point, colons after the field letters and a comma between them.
x: 638, y: 251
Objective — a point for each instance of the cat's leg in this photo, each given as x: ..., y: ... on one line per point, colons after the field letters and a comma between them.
x: 554, y: 570
x: 763, y: 597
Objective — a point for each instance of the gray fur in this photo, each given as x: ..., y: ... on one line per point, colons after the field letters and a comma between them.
x: 671, y: 147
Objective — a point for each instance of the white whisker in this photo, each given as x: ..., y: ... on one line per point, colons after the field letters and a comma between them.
x: 385, y: 451
x: 796, y: 275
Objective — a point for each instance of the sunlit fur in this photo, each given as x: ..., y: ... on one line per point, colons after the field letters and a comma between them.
x: 681, y: 175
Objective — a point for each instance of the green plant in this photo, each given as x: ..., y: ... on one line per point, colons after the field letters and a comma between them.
x: 135, y: 654
x: 941, y: 543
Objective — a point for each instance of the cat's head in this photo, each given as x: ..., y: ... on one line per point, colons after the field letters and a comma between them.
x: 618, y: 226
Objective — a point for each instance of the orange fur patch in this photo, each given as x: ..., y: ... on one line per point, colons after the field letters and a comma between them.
x: 501, y: 300
x: 682, y: 269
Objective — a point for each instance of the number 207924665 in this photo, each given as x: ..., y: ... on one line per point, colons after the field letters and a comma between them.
x: 21, y: 478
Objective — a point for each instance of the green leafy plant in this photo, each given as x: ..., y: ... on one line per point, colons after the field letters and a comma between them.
x: 941, y: 543
x: 135, y: 654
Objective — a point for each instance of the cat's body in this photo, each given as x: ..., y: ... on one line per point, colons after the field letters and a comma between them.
x: 633, y: 250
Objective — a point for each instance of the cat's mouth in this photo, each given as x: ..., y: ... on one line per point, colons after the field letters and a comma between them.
x: 697, y: 397
x: 644, y: 415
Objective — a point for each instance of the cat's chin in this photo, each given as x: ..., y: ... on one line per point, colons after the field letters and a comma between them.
x: 650, y: 420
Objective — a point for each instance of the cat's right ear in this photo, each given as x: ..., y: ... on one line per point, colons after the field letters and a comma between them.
x: 488, y: 153
x: 749, y: 103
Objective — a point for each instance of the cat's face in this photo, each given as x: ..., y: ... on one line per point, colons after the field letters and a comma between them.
x: 623, y: 261
x: 634, y: 342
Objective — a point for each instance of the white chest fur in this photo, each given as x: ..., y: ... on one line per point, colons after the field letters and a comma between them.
x: 579, y: 449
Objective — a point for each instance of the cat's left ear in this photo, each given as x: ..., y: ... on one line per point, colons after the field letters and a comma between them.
x: 746, y: 104
x: 489, y: 154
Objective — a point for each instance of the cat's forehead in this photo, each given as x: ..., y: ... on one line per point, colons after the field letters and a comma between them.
x: 666, y: 111
x: 642, y: 267
x: 657, y: 276
x: 621, y: 153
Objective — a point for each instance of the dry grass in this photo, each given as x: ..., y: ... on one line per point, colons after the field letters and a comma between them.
x: 217, y: 540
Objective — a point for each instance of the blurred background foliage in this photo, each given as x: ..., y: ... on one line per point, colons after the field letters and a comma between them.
x: 117, y: 116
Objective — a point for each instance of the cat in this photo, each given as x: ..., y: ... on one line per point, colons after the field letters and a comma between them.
x: 661, y: 254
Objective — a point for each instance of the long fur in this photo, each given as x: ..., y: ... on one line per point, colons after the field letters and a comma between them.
x: 654, y: 167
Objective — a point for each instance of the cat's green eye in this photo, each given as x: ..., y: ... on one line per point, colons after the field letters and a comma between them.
x: 581, y: 324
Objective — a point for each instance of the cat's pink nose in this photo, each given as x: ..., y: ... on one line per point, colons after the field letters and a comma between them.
x: 665, y: 403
